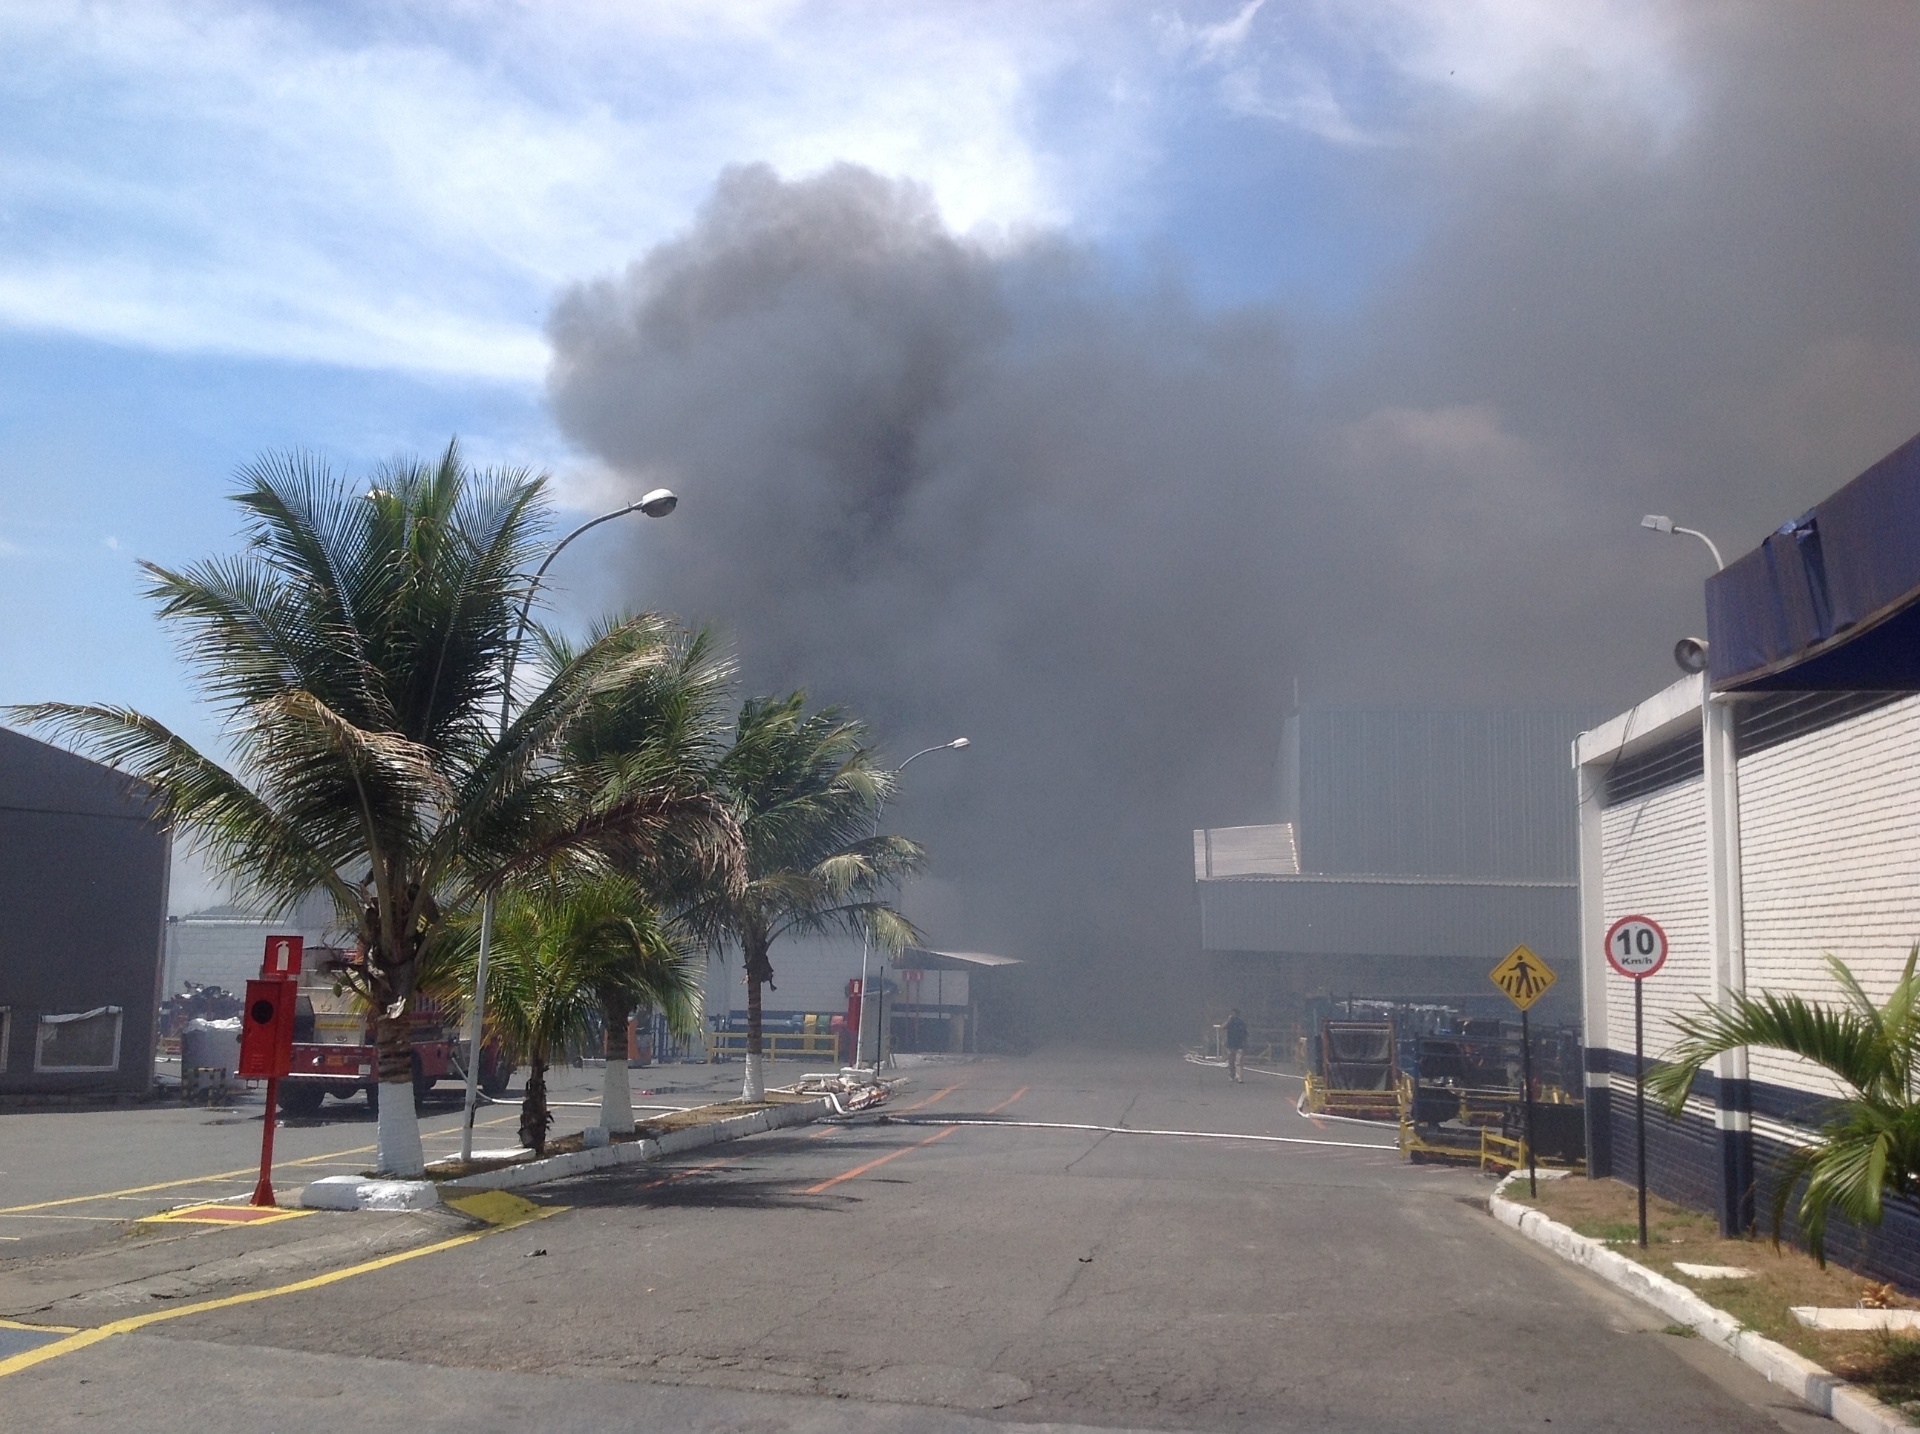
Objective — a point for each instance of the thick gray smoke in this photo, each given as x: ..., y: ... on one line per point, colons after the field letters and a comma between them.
x: 992, y: 489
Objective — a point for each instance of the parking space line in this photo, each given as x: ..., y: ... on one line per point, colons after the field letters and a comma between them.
x: 82, y: 1339
x: 245, y: 1173
x: 940, y: 1134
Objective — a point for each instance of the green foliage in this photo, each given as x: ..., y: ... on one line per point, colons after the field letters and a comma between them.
x: 562, y: 952
x: 1869, y: 1144
x: 804, y: 790
x: 354, y: 651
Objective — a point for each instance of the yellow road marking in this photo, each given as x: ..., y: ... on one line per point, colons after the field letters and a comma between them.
x: 83, y: 1339
x: 215, y: 1214
x: 247, y: 1173
x: 495, y: 1207
x: 39, y: 1328
x: 904, y: 1150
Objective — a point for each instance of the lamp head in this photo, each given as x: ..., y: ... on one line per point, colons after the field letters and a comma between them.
x: 958, y: 742
x: 658, y: 503
x: 1691, y: 654
x: 1659, y: 522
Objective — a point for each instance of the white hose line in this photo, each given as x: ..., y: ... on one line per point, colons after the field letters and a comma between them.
x: 1136, y: 1130
x: 1299, y: 1109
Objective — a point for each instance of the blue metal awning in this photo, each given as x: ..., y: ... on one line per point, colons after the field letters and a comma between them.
x: 1831, y: 601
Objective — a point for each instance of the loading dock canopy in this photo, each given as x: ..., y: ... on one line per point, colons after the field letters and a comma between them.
x: 1831, y: 601
x: 918, y: 958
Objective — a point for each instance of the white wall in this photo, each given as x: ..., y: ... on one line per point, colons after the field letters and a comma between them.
x: 1654, y: 863
x: 1829, y: 861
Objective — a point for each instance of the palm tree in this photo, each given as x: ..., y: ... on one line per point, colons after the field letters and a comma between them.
x: 664, y: 731
x: 355, y: 651
x: 563, y: 951
x: 804, y: 790
x: 1869, y: 1144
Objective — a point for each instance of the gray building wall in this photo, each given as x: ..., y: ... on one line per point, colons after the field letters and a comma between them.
x: 1431, y: 842
x: 1410, y: 792
x: 83, y: 901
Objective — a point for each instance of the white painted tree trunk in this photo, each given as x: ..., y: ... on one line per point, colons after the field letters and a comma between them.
x: 755, y: 1088
x: 616, y: 1099
x: 398, y: 1151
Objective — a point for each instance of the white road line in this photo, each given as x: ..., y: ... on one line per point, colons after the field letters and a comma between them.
x: 1139, y: 1130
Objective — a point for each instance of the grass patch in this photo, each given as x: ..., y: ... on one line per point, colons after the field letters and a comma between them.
x: 1886, y: 1364
x: 1889, y: 1369
x: 1680, y: 1331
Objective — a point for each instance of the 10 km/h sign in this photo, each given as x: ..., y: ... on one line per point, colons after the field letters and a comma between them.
x: 1523, y: 976
x: 1636, y: 947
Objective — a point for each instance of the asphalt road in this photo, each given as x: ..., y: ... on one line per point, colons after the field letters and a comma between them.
x: 920, y: 1277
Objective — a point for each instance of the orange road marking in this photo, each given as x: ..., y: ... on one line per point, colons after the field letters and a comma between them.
x: 941, y: 1134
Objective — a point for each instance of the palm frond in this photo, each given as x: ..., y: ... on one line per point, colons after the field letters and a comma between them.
x: 270, y: 857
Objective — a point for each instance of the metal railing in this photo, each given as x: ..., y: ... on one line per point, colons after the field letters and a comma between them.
x: 776, y: 1045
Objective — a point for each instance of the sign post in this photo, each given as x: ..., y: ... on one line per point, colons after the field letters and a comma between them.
x: 1636, y: 948
x: 266, y: 1040
x: 1525, y: 978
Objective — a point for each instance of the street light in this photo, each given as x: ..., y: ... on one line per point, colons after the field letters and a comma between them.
x: 866, y: 943
x: 655, y: 504
x: 1660, y: 523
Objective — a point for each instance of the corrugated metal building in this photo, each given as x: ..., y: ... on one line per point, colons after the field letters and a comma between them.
x: 84, y: 889
x: 222, y: 946
x: 1416, y: 848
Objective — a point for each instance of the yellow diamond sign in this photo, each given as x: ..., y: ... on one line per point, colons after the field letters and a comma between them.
x: 1523, y: 976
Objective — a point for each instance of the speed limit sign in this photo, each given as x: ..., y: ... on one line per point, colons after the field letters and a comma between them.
x: 1636, y: 947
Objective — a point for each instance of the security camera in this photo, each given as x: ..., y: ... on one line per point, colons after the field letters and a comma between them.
x: 1691, y: 654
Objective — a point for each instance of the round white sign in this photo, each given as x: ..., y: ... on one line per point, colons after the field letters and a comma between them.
x: 1636, y: 946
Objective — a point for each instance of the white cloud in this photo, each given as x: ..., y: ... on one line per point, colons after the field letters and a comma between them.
x: 407, y: 194
x: 404, y: 185
x: 1344, y: 72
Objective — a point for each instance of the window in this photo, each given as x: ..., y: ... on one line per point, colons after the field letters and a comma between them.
x: 87, y: 1041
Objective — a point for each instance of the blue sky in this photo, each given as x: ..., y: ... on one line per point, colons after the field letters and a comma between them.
x: 230, y: 227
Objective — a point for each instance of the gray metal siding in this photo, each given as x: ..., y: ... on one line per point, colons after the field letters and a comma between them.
x: 1482, y: 794
x: 85, y: 896
x: 1347, y: 917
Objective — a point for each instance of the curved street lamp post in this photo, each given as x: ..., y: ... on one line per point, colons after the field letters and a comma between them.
x: 866, y: 942
x: 656, y: 504
x: 1661, y: 523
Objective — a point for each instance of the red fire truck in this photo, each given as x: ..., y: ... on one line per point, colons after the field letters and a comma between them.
x: 334, y: 1052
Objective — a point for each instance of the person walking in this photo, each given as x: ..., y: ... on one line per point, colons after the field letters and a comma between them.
x: 1236, y: 1043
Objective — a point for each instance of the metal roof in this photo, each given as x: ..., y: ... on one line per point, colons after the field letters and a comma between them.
x: 919, y: 958
x: 1830, y: 601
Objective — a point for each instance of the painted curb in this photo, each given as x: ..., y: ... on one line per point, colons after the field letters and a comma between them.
x: 355, y: 1192
x: 1848, y: 1406
x: 350, y: 1192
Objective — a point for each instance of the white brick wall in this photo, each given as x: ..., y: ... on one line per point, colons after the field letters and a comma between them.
x: 1830, y: 862
x: 1654, y: 860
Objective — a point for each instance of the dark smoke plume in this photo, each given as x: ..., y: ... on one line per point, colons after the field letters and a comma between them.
x: 989, y: 488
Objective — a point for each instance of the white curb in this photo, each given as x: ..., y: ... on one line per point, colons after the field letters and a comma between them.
x: 352, y: 1192
x: 1848, y: 1406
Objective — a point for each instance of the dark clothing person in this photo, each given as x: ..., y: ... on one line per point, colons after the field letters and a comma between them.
x: 1236, y: 1044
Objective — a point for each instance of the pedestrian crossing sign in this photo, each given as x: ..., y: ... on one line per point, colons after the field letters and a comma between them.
x: 1523, y: 976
